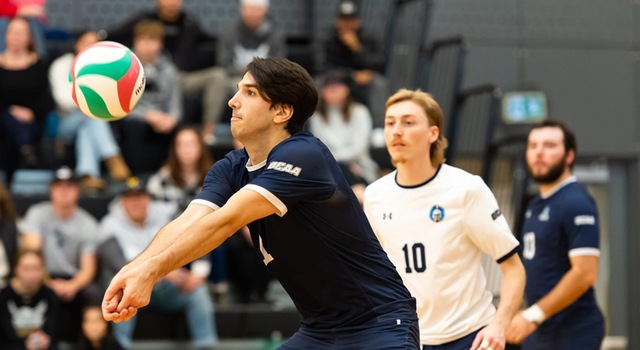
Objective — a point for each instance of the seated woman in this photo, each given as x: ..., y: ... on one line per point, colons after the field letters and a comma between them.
x: 345, y: 127
x: 96, y: 334
x: 178, y: 181
x: 25, y: 99
x: 28, y: 308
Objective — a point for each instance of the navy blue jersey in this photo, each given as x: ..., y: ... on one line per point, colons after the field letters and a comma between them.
x: 563, y: 225
x: 320, y: 245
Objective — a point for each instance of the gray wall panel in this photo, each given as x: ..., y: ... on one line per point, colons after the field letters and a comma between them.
x: 494, y: 21
x: 495, y: 65
x: 593, y: 91
x: 578, y: 23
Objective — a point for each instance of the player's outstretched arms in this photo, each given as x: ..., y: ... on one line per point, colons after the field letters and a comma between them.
x: 128, y: 291
x: 210, y: 231
x: 121, y: 301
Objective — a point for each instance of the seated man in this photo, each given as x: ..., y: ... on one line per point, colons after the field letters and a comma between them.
x: 146, y: 133
x: 254, y: 34
x: 347, y: 46
x: 182, y: 38
x: 132, y: 224
x: 66, y: 234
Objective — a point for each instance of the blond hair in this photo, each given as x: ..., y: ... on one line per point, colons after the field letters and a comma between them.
x: 149, y: 29
x: 434, y: 116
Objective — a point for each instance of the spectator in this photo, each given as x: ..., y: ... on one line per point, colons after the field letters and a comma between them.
x: 253, y: 35
x: 95, y: 331
x: 146, y: 133
x: 28, y: 308
x: 133, y: 223
x: 183, y: 37
x: 35, y: 13
x: 349, y: 47
x: 178, y: 181
x: 94, y: 139
x: 8, y: 235
x: 66, y: 234
x: 25, y: 98
x: 345, y: 127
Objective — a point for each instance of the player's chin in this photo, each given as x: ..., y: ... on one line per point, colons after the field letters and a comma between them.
x: 398, y: 158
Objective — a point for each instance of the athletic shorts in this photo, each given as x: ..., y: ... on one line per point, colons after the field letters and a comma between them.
x: 463, y: 343
x: 392, y: 331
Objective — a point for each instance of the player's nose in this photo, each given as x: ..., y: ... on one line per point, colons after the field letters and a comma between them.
x: 233, y: 102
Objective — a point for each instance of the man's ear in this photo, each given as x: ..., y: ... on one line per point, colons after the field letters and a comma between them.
x: 284, y: 112
x: 570, y: 157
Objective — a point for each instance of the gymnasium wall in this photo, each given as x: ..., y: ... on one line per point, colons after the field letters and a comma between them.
x: 582, y: 53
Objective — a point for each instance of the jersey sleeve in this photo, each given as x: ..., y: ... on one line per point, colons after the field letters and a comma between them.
x: 487, y: 227
x: 581, y: 225
x: 217, y: 187
x: 294, y: 172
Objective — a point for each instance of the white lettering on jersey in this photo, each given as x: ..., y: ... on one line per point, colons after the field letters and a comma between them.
x: 529, y: 240
x: 285, y: 167
x: 584, y: 220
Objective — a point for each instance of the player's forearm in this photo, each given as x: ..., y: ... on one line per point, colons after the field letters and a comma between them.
x: 204, y: 235
x: 163, y: 239
x: 511, y: 291
x: 566, y: 292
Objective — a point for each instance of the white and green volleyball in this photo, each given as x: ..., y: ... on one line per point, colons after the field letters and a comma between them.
x: 107, y: 80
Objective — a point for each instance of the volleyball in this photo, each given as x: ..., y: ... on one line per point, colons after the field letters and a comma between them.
x: 106, y: 80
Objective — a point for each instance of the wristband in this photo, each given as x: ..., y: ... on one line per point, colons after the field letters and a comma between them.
x: 534, y: 314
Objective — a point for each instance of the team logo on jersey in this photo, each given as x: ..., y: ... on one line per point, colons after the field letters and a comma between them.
x: 496, y: 214
x: 437, y: 213
x: 386, y: 216
x: 544, y: 215
x: 285, y: 167
x: 527, y: 215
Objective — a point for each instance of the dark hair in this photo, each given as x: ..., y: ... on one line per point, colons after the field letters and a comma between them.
x: 569, y: 136
x: 83, y: 342
x: 204, y: 162
x: 283, y: 82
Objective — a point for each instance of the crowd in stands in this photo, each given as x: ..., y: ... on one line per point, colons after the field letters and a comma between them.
x: 56, y: 260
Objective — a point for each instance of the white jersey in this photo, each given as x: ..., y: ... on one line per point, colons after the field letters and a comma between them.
x: 435, y: 234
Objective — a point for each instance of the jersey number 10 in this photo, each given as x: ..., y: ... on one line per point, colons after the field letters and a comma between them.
x: 415, y: 255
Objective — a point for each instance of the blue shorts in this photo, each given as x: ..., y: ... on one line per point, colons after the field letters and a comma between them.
x: 394, y: 331
x: 580, y: 329
x: 463, y: 343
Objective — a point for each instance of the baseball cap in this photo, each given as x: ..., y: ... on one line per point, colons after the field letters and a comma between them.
x: 261, y: 3
x: 334, y: 77
x: 64, y: 174
x: 133, y: 185
x: 348, y: 8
